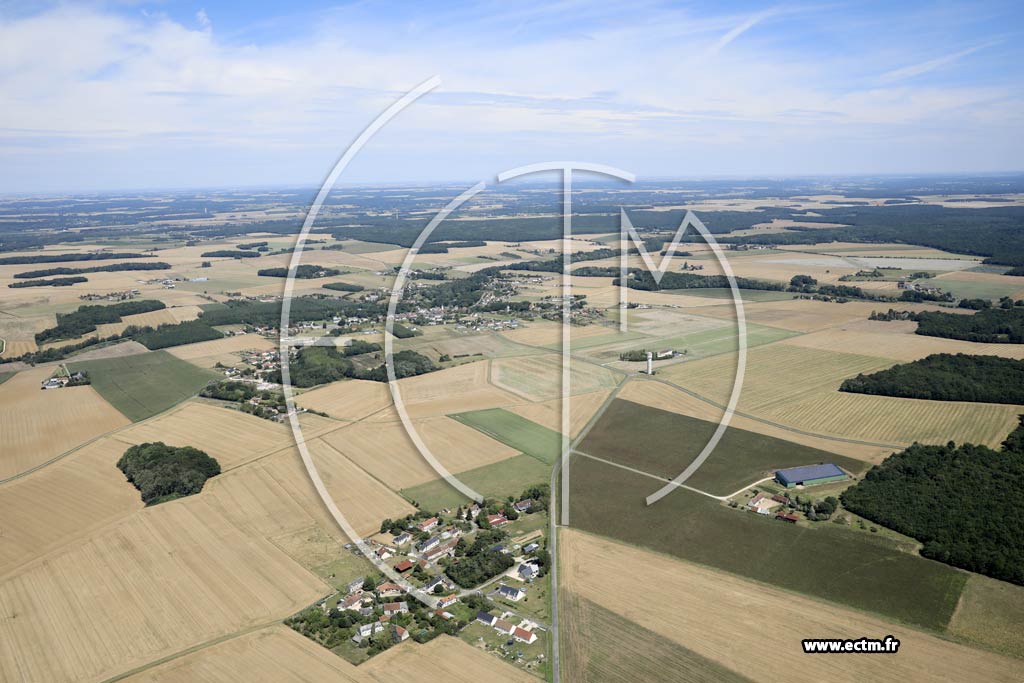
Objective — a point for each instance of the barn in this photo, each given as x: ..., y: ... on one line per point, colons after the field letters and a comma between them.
x: 809, y: 475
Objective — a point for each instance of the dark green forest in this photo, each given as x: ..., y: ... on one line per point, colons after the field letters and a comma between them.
x: 64, y: 258
x: 110, y: 268
x: 86, y: 318
x: 963, y: 503
x: 172, y: 334
x: 54, y: 282
x: 947, y: 377
x: 306, y: 271
x: 991, y: 326
x: 162, y: 473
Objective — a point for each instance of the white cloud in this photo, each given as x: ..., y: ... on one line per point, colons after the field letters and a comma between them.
x: 921, y: 68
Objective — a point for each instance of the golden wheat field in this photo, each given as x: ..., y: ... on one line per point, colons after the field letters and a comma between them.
x: 164, y: 579
x: 798, y: 387
x: 349, y: 400
x: 751, y: 628
x: 453, y: 390
x: 166, y: 316
x: 62, y: 502
x: 386, y: 450
x: 40, y: 425
x: 230, y: 436
x: 538, y: 377
x: 207, y: 354
x: 549, y: 413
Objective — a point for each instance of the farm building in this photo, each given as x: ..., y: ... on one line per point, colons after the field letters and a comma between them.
x: 809, y: 475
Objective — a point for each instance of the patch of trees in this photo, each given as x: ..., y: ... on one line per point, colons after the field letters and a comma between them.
x: 86, y: 318
x: 634, y: 355
x: 315, y: 365
x: 230, y: 253
x: 343, y: 287
x: 993, y: 232
x: 947, y: 377
x: 962, y: 502
x: 306, y: 271
x: 991, y: 326
x: 1017, y: 271
x: 974, y: 304
x: 403, y: 332
x: 643, y: 280
x: 252, y: 245
x: 172, y: 334
x: 481, y: 561
x: 161, y: 472
x: 359, y: 347
x: 109, y: 268
x: 406, y: 363
x: 54, y: 282
x: 63, y: 258
x: 917, y: 296
x: 304, y: 308
x: 269, y: 405
x: 802, y: 283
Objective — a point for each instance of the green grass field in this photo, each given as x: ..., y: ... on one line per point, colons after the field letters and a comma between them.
x: 664, y: 443
x: 499, y: 480
x: 971, y: 289
x: 825, y: 561
x: 515, y: 431
x: 143, y: 385
x: 4, y: 376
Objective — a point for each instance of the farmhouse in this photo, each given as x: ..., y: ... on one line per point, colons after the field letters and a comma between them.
x: 531, y: 547
x: 404, y: 566
x: 526, y: 571
x: 429, y: 544
x: 447, y: 601
x: 387, y: 589
x: 367, y: 630
x: 393, y: 608
x: 399, y: 633
x: 762, y: 504
x: 809, y: 475
x: 790, y: 517
x: 428, y: 524
x: 440, y: 551
x: 496, y: 520
x: 502, y: 626
x: 523, y: 505
x: 510, y: 593
x: 524, y: 636
x: 402, y: 538
x: 435, y: 582
x: 486, y: 618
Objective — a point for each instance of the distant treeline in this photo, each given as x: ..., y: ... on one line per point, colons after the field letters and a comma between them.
x: 176, y: 334
x: 54, y: 282
x: 110, y: 268
x: 1017, y: 271
x: 253, y: 245
x: 994, y: 233
x: 303, y: 272
x: 230, y: 253
x: 62, y: 258
x: 643, y: 280
x: 162, y: 473
x: 947, y: 377
x: 963, y: 503
x: 86, y: 318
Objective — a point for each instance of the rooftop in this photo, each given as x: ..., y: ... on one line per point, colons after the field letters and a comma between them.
x: 808, y: 472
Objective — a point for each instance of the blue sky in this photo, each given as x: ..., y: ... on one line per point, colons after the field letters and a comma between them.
x: 132, y: 94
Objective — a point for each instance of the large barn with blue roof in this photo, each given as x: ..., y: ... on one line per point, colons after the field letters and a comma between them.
x: 809, y: 475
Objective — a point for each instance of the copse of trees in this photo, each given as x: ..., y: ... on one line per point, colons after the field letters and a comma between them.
x: 306, y: 271
x: 109, y: 268
x: 643, y: 280
x: 343, y: 287
x: 962, y: 502
x: 230, y: 253
x: 304, y: 308
x: 86, y: 318
x: 175, y: 334
x: 54, y: 282
x: 161, y: 472
x: 481, y: 561
x: 991, y: 326
x: 947, y: 377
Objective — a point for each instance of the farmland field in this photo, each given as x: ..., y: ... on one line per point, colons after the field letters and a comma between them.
x: 40, y: 425
x: 749, y: 627
x: 798, y: 387
x: 549, y: 413
x: 826, y: 561
x: 990, y: 614
x: 536, y: 378
x: 664, y: 443
x: 143, y: 385
x: 502, y: 479
x: 515, y: 431
x: 348, y: 400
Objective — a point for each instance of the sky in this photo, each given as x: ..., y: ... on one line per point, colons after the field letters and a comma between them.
x: 150, y: 95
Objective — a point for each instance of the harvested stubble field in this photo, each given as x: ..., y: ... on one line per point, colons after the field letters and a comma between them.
x: 166, y: 316
x: 63, y: 501
x: 664, y: 443
x: 538, y: 378
x: 165, y: 579
x: 798, y: 387
x: 386, y: 450
x: 40, y: 425
x: 348, y: 400
x: 452, y: 390
x: 549, y: 413
x: 144, y: 384
x: 515, y: 431
x: 207, y: 354
x: 750, y: 627
x: 229, y: 436
x: 825, y: 561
